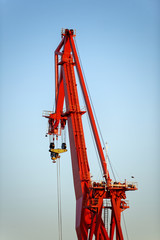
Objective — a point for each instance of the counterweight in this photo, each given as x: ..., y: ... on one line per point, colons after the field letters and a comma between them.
x: 90, y: 196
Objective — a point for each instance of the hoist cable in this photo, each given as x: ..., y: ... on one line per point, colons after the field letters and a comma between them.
x: 59, y: 201
x: 93, y: 107
x: 87, y: 112
x: 111, y: 167
x: 60, y: 211
x: 100, y: 166
x: 116, y: 172
x: 125, y: 226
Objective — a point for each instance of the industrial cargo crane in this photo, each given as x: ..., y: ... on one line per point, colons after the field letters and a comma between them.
x: 91, y: 196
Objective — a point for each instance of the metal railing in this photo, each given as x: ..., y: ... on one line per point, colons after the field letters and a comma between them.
x: 125, y: 184
x: 46, y: 113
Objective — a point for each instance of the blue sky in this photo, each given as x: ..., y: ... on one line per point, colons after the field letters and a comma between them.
x: 118, y: 43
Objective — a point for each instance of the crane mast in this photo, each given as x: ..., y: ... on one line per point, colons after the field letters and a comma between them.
x: 90, y: 196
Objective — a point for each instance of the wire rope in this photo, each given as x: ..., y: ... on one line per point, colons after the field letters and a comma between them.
x: 111, y: 167
x: 100, y: 166
x: 87, y: 112
x: 59, y: 201
x: 125, y: 226
x: 93, y: 109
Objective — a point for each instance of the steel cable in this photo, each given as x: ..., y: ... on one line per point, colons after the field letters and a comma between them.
x: 59, y: 201
x: 125, y: 226
x: 93, y: 108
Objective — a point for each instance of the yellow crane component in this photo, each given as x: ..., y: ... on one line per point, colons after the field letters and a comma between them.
x: 58, y: 150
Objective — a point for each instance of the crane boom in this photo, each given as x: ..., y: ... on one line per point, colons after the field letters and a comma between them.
x: 90, y: 196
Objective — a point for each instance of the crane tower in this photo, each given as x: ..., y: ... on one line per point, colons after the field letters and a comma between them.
x: 92, y: 198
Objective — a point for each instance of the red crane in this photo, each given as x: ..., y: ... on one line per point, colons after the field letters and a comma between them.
x: 90, y: 196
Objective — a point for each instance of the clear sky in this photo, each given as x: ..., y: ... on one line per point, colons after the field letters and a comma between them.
x: 118, y: 42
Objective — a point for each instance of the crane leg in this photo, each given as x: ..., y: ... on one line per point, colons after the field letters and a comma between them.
x: 116, y: 211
